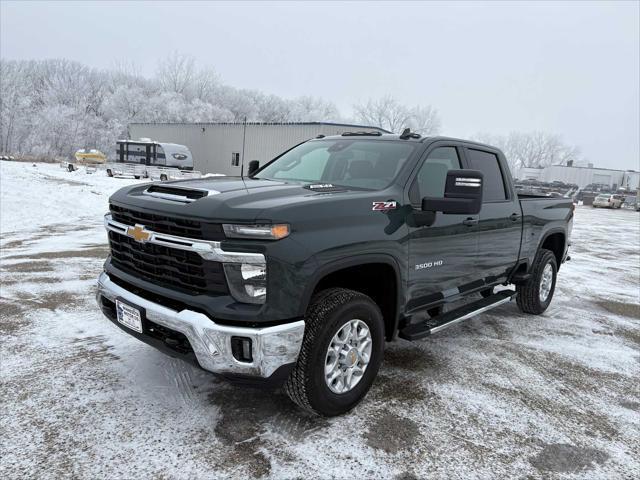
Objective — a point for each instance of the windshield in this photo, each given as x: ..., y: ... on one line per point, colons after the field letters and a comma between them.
x: 603, y: 197
x: 367, y: 164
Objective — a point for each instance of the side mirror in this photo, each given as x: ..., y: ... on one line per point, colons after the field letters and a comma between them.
x: 462, y: 194
x: 254, y: 165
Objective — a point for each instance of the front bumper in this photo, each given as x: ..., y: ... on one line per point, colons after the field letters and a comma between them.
x: 272, y: 347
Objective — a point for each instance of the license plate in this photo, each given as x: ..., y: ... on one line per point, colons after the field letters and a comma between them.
x: 129, y: 316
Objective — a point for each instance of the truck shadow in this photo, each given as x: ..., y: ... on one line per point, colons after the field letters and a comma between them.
x: 254, y: 420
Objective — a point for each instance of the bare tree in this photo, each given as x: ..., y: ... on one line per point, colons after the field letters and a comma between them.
x: 532, y: 149
x: 176, y: 73
x: 425, y: 120
x: 310, y: 109
x: 205, y: 84
x: 388, y: 113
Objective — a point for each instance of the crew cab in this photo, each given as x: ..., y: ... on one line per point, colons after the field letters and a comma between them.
x: 298, y: 273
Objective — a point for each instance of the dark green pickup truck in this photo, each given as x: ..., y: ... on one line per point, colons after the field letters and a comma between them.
x: 298, y: 273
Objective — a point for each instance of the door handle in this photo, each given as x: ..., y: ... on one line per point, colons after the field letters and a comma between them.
x: 469, y: 222
x: 514, y: 217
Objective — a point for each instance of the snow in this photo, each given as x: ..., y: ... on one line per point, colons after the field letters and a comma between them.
x: 50, y: 195
x: 502, y: 395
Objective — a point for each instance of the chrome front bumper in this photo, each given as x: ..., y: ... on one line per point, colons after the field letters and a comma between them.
x: 272, y: 347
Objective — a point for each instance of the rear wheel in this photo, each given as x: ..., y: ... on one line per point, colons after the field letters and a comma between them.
x: 109, y: 172
x: 163, y: 178
x: 535, y: 295
x: 340, y: 354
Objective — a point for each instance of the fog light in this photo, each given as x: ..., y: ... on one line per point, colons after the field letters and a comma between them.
x: 241, y: 349
x: 247, y: 282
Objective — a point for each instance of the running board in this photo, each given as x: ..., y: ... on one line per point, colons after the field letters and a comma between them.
x: 417, y: 331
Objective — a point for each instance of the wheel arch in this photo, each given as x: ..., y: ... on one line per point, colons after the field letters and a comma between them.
x: 385, y: 291
x: 556, y: 241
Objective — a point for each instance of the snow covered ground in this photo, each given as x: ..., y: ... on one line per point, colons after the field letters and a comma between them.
x: 502, y: 395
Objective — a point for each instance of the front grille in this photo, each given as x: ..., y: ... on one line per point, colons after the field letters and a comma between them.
x: 169, y: 225
x: 168, y: 267
x: 152, y: 297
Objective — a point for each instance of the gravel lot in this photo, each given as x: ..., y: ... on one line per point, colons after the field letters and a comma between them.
x: 502, y: 395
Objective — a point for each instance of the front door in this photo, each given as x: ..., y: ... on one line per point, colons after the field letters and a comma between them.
x: 442, y: 256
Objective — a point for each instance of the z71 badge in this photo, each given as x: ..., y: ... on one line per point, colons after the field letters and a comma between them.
x: 384, y: 206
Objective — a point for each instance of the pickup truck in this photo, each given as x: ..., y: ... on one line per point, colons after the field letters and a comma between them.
x: 297, y: 274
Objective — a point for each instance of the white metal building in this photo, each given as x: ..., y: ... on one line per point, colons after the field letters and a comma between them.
x: 218, y: 147
x: 583, y: 176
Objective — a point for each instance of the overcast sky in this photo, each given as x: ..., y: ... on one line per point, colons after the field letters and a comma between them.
x: 571, y: 68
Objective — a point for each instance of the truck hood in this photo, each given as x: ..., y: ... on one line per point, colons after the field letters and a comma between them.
x: 230, y: 198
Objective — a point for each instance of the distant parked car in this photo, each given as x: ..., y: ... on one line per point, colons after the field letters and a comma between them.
x: 608, y: 201
x: 631, y: 202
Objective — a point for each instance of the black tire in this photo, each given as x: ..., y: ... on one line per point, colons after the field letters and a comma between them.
x: 163, y: 178
x: 137, y: 177
x: 528, y: 297
x: 109, y: 172
x: 328, y: 312
x: 70, y: 168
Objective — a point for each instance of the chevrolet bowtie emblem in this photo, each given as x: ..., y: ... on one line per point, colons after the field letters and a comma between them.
x: 138, y: 233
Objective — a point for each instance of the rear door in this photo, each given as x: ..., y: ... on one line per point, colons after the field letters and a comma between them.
x: 500, y: 228
x: 442, y: 256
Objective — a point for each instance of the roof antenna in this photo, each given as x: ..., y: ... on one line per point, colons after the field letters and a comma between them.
x: 244, y: 136
x: 406, y: 133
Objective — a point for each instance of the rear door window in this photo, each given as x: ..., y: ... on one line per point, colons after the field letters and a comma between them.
x: 493, y: 187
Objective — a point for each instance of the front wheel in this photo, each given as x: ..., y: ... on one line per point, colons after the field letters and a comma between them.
x: 535, y: 295
x: 340, y: 354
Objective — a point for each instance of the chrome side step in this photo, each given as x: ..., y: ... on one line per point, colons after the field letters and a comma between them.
x: 417, y: 331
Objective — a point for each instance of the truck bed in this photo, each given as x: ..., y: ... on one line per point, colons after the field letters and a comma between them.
x: 542, y: 216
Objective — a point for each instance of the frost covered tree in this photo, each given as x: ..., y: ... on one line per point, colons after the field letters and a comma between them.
x: 176, y: 74
x: 532, y: 149
x: 308, y: 109
x: 51, y: 108
x: 387, y: 112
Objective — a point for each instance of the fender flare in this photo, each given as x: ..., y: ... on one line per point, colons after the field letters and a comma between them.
x: 547, y: 234
x: 354, y: 261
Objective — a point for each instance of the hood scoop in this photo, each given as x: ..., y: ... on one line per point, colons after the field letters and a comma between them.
x: 178, y: 194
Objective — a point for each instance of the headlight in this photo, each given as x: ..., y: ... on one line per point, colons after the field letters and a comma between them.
x: 266, y: 232
x: 247, y: 282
